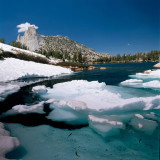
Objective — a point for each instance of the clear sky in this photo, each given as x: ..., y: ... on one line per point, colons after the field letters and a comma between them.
x: 112, y: 26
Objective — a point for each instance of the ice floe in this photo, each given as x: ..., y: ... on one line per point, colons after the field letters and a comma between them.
x: 149, y: 74
x: 69, y: 111
x: 83, y: 102
x: 132, y: 81
x: 106, y: 126
x: 80, y: 102
x: 38, y: 108
x: 7, y: 89
x: 144, y: 125
x: 97, y: 97
x: 39, y: 89
x: 152, y: 84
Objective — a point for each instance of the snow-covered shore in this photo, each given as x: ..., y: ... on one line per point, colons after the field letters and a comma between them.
x: 13, y: 69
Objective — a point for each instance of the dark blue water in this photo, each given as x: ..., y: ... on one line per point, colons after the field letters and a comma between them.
x: 114, y: 74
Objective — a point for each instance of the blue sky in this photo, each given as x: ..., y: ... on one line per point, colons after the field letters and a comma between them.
x: 112, y: 26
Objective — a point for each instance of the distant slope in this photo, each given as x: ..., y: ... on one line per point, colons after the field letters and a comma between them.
x: 34, y: 41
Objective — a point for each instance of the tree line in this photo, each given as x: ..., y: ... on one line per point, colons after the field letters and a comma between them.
x: 152, y: 56
x: 76, y: 57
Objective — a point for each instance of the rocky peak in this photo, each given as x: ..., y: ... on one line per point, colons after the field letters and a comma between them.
x: 31, y: 32
x: 31, y: 39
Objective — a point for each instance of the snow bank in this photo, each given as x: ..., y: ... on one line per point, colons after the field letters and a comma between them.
x: 16, y: 50
x: 12, y: 69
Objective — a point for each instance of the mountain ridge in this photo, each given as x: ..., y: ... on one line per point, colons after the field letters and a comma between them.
x: 63, y: 44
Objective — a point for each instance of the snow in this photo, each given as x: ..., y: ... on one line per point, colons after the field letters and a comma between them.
x: 7, y: 89
x: 148, y: 79
x: 131, y: 81
x: 16, y: 50
x: 38, y: 108
x: 70, y: 111
x: 13, y: 69
x: 108, y: 126
x: 147, y: 74
x: 82, y: 102
x: 152, y: 84
x: 39, y: 89
x: 96, y: 96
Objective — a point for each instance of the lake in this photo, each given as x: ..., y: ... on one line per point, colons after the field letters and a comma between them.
x: 87, y: 115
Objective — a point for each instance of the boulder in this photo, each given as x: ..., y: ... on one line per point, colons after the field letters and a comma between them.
x: 157, y: 65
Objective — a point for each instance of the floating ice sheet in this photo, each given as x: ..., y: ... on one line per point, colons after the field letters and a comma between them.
x: 149, y: 74
x: 72, y: 102
x: 7, y: 89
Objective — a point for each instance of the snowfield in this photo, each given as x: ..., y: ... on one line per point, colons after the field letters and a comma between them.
x: 13, y: 69
x: 15, y: 50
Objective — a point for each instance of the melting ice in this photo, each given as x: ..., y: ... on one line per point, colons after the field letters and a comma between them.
x: 82, y: 102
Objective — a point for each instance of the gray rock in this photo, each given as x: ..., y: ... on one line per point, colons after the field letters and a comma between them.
x: 31, y: 39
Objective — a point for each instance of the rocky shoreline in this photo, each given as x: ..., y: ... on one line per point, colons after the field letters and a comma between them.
x: 7, y: 143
